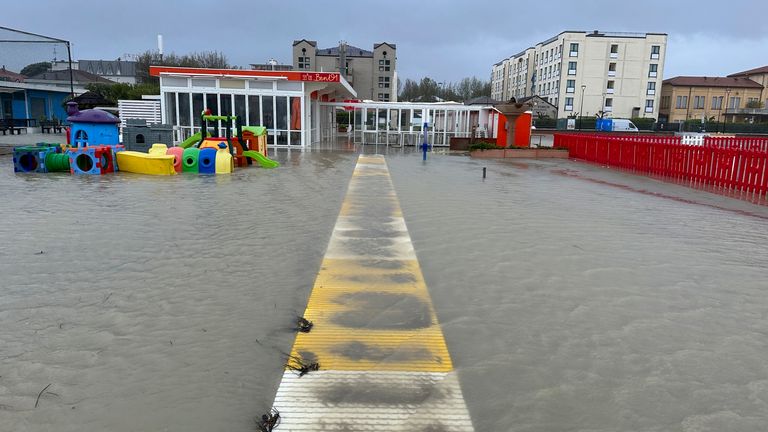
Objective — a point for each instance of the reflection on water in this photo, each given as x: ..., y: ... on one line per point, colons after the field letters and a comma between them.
x: 571, y: 305
x: 158, y: 303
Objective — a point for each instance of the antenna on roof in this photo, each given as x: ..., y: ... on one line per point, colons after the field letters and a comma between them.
x: 160, y: 45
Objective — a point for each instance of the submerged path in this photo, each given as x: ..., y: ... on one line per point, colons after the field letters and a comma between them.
x: 383, y: 362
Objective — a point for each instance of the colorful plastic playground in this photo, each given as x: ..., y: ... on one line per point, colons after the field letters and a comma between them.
x: 93, y: 147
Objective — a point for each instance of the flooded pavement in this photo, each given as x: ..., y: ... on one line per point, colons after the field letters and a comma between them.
x: 571, y: 298
x: 159, y: 304
x: 593, y: 301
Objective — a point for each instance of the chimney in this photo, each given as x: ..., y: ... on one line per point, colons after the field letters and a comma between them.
x: 343, y: 58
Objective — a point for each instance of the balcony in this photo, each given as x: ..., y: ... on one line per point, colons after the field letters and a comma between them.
x: 652, y: 74
x: 614, y: 55
x: 609, y: 91
x: 654, y: 56
x: 568, y: 108
x: 747, y: 111
x: 649, y: 109
x: 650, y: 92
x: 570, y: 90
x: 611, y: 73
x: 571, y: 71
x: 608, y: 109
x: 573, y: 54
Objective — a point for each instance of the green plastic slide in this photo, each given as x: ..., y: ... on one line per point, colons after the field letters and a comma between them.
x: 264, y: 161
x: 189, y: 142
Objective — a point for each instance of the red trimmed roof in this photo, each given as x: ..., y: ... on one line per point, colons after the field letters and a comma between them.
x: 246, y: 73
x: 755, y: 71
x: 691, y: 81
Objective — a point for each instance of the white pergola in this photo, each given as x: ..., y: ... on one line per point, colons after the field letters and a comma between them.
x: 401, y: 123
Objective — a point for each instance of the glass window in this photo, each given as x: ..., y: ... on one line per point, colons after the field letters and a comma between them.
x: 574, y: 49
x: 611, y: 84
x: 682, y: 102
x: 226, y: 104
x: 268, y: 112
x: 717, y: 102
x: 202, y: 82
x: 173, y: 81
x: 197, y: 108
x: 263, y: 85
x: 254, y: 110
x: 281, y: 112
x: 614, y: 49
x: 240, y: 109
x: 170, y: 107
x: 295, y: 119
x: 289, y: 85
x: 212, y: 103
x: 184, y: 119
x: 608, y: 102
x: 653, y: 69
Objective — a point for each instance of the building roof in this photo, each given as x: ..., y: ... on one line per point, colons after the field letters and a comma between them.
x: 311, y: 42
x: 6, y: 75
x: 538, y: 99
x: 352, y: 51
x: 267, y: 67
x: 755, y: 71
x: 692, y: 81
x: 108, y: 67
x: 391, y: 45
x: 481, y: 100
x: 78, y: 76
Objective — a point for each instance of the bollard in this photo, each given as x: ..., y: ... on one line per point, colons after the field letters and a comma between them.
x: 483, y: 172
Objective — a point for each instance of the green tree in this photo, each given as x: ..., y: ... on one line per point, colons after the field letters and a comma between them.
x: 202, y: 59
x: 35, y: 69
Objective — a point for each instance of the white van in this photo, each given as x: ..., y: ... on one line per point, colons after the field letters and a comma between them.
x: 623, y: 125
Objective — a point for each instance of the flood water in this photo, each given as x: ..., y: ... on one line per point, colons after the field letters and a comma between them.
x: 571, y: 298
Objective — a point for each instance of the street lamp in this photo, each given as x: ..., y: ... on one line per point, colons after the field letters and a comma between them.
x: 727, y: 97
x: 581, y: 109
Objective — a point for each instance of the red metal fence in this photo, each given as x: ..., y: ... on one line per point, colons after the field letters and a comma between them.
x: 733, y: 166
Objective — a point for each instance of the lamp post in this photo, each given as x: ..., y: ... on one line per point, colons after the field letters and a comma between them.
x: 581, y: 108
x: 727, y: 97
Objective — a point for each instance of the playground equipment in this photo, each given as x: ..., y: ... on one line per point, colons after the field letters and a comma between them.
x: 93, y: 148
x: 248, y: 144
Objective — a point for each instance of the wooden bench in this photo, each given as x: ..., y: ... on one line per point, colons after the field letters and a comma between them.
x: 51, y: 126
x: 8, y: 125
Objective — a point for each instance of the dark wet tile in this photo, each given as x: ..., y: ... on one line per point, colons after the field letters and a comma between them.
x: 379, y: 311
x: 356, y: 350
x: 365, y: 392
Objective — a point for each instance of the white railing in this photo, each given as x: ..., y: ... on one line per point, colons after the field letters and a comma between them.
x: 148, y: 110
x: 609, y: 91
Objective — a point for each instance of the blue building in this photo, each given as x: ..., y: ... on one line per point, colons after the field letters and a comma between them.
x: 33, y: 101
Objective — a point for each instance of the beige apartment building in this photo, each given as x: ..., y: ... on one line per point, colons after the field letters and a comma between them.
x: 588, y: 73
x: 373, y: 74
x: 734, y: 98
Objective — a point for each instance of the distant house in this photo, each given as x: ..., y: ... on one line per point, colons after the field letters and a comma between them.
x: 540, y: 107
x: 120, y: 71
x: 41, y: 96
x: 6, y: 75
x: 709, y: 98
x: 61, y: 77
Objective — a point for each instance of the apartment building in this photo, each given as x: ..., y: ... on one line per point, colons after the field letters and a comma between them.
x: 373, y: 74
x: 588, y: 73
x: 734, y: 98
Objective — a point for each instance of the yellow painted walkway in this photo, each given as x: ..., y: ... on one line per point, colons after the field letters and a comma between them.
x: 384, y: 365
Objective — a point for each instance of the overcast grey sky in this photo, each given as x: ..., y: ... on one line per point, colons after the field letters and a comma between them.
x: 446, y: 40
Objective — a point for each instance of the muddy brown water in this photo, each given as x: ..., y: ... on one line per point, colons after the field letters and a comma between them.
x: 593, y: 301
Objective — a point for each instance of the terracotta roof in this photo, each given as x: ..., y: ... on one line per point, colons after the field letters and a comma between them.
x: 691, y: 81
x: 6, y: 75
x: 755, y: 71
